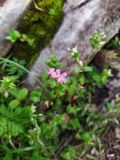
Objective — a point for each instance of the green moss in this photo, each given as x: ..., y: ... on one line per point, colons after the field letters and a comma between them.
x: 40, y: 25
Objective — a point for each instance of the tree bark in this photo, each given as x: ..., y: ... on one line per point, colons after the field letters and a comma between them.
x: 82, y: 18
x: 10, y: 13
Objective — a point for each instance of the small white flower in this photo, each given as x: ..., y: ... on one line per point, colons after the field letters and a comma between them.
x: 33, y: 109
x: 6, y: 94
x: 110, y: 72
x: 81, y: 63
x: 73, y: 51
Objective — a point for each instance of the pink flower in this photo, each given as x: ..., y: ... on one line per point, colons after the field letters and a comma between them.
x: 61, y: 77
x: 52, y: 73
x: 51, y: 70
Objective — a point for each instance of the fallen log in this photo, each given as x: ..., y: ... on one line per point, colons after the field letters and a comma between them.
x: 10, y: 13
x: 82, y: 18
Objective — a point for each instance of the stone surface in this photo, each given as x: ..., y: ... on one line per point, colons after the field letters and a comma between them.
x: 81, y: 20
x: 10, y: 13
x: 70, y: 5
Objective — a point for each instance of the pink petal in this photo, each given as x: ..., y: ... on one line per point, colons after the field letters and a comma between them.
x: 63, y: 80
x: 58, y: 71
x: 54, y: 75
x: 51, y: 70
x: 59, y: 80
x: 64, y: 74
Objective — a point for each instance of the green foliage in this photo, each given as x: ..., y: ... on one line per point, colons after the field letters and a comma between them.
x: 68, y: 154
x: 17, y: 119
x: 53, y: 62
x: 115, y: 43
x: 41, y: 25
x: 15, y: 35
x: 7, y: 83
x: 36, y: 124
x: 13, y: 67
x: 13, y: 117
x: 97, y: 40
x: 35, y: 96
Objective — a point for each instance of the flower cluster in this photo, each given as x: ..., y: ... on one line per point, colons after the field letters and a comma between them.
x: 61, y: 77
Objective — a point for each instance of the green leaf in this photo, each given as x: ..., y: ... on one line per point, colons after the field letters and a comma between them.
x: 82, y: 80
x: 13, y: 35
x: 88, y: 69
x: 22, y: 94
x: 8, y: 156
x: 14, y: 103
x: 30, y: 42
x: 109, y: 106
x: 68, y: 154
x: 35, y: 96
x: 86, y: 137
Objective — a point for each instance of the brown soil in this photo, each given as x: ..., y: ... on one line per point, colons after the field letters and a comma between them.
x: 2, y: 2
x: 111, y: 142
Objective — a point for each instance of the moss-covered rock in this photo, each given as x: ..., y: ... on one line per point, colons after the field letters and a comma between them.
x: 40, y: 23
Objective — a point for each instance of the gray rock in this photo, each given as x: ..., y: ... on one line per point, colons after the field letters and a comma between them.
x: 10, y: 13
x: 82, y: 18
x: 70, y: 5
